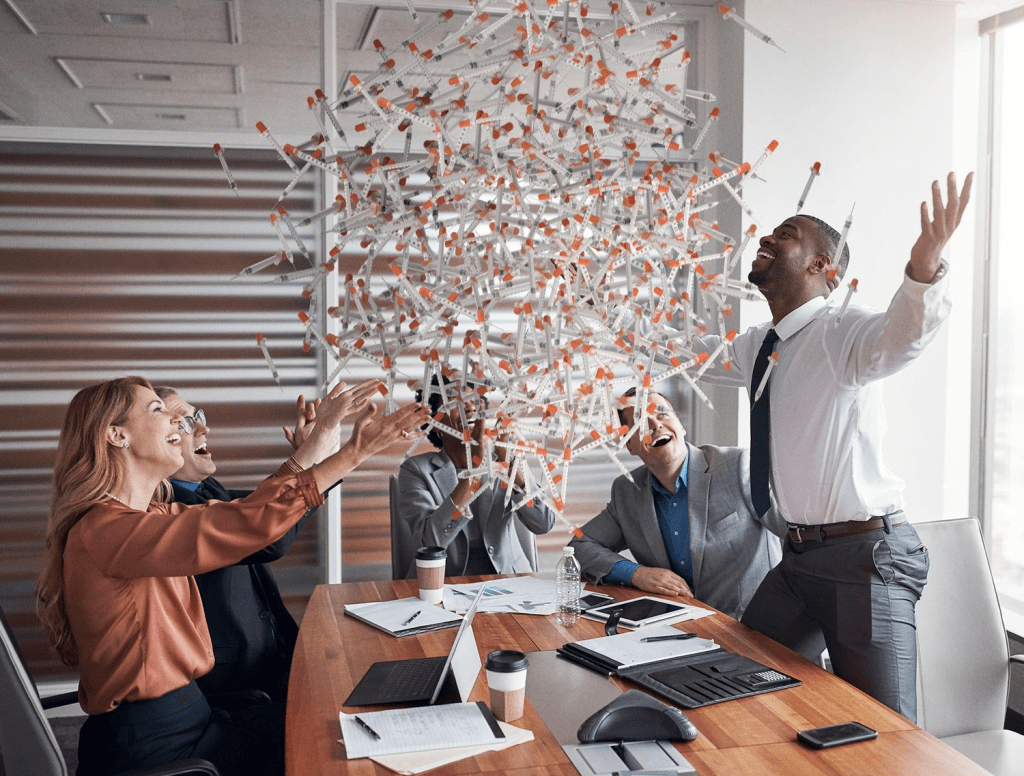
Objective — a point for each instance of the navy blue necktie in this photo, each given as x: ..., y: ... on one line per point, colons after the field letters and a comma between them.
x: 760, y: 429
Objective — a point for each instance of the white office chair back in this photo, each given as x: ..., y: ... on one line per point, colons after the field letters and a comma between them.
x: 962, y: 651
x: 26, y: 738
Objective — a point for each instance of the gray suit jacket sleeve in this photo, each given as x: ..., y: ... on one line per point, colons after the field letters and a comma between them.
x: 731, y: 548
x: 425, y: 485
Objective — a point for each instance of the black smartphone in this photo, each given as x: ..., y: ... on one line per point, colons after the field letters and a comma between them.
x: 834, y: 735
x: 590, y: 600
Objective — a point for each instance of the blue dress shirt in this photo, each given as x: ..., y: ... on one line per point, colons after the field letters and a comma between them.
x: 673, y: 511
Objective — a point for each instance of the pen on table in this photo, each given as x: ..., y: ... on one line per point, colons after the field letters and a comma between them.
x: 367, y: 728
x: 680, y: 637
x: 414, y: 616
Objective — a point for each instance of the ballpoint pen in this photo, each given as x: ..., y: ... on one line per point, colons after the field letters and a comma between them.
x: 680, y: 637
x: 414, y: 616
x: 367, y: 728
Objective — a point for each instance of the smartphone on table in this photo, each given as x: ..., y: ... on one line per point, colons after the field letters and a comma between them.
x: 589, y: 600
x: 835, y: 735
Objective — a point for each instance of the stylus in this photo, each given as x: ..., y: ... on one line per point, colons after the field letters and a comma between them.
x: 680, y: 637
x: 367, y: 728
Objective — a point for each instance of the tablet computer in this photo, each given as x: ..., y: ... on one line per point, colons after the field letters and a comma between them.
x: 638, y: 612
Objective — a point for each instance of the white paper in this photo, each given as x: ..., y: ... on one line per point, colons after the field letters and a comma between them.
x: 515, y: 595
x: 628, y: 649
x: 416, y: 729
x: 403, y: 616
x: 418, y: 762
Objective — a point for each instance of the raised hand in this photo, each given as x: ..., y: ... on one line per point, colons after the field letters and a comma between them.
x: 321, y: 436
x: 938, y: 227
x: 374, y: 432
x: 305, y: 417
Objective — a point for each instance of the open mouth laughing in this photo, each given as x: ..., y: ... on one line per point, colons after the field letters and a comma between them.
x: 661, y: 440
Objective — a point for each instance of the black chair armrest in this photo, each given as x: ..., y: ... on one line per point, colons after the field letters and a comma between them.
x: 1017, y: 658
x: 179, y: 768
x: 58, y: 700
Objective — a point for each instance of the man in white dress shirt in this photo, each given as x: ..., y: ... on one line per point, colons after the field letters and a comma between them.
x: 853, y: 568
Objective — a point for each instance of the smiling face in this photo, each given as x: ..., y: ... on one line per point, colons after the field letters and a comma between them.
x: 198, y: 461
x: 792, y: 262
x: 152, y: 433
x: 664, y: 447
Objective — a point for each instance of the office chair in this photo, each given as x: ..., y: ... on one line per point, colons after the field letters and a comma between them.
x: 963, y: 657
x: 403, y: 551
x: 27, y: 742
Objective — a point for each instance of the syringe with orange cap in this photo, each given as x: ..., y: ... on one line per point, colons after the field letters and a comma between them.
x: 223, y: 163
x: 815, y: 172
x: 730, y: 13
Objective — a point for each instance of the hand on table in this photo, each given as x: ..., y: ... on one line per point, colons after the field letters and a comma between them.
x: 662, y: 581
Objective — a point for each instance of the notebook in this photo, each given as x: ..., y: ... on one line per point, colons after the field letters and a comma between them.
x: 711, y: 677
x: 426, y: 680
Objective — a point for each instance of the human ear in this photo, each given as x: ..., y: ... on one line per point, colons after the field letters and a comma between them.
x: 116, y: 436
x: 821, y: 262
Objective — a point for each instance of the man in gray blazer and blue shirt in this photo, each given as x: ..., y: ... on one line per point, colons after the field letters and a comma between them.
x: 687, y: 518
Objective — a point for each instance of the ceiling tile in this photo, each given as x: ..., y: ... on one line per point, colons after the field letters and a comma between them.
x: 129, y: 75
x: 134, y: 116
x: 193, y: 20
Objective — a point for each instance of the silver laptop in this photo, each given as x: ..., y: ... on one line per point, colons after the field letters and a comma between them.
x: 426, y: 680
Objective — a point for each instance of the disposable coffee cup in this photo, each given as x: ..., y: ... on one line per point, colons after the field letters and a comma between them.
x: 506, y: 680
x: 430, y: 573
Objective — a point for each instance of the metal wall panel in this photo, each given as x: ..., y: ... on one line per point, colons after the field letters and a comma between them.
x: 123, y: 260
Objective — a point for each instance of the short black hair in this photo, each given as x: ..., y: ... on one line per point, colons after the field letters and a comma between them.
x: 832, y: 237
x: 435, y: 399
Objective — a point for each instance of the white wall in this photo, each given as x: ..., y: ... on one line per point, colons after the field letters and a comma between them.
x: 865, y: 88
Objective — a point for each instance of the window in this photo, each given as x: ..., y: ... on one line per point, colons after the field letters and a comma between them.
x: 1001, y: 499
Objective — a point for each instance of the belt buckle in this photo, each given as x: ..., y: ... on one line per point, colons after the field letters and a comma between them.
x: 799, y: 537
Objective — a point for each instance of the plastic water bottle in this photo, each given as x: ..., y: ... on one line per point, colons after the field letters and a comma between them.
x: 567, y: 588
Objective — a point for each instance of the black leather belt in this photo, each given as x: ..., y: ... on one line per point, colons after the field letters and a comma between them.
x: 819, y: 533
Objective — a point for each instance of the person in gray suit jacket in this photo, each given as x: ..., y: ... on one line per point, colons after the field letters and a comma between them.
x: 686, y: 517
x: 487, y: 537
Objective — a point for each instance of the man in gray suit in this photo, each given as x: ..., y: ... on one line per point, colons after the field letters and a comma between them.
x: 485, y: 537
x: 687, y: 518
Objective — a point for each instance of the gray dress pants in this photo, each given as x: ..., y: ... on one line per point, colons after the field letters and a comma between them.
x: 856, y: 595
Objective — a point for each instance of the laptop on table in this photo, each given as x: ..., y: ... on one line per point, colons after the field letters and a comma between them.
x: 425, y: 681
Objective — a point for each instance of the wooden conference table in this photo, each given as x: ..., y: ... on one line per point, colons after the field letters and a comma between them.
x: 755, y: 735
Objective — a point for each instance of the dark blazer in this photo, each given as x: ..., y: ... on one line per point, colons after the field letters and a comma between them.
x: 252, y: 631
x: 731, y: 547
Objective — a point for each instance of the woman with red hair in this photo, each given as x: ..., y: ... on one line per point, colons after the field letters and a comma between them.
x: 118, y: 595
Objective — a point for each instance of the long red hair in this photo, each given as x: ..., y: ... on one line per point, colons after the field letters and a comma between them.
x: 87, y: 467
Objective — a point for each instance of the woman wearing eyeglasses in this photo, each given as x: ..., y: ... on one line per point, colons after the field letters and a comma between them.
x: 118, y: 596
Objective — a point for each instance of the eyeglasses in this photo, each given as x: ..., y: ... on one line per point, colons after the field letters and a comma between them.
x: 188, y: 422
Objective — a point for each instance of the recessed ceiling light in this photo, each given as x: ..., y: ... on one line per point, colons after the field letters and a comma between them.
x: 154, y: 77
x: 172, y: 116
x: 125, y: 18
